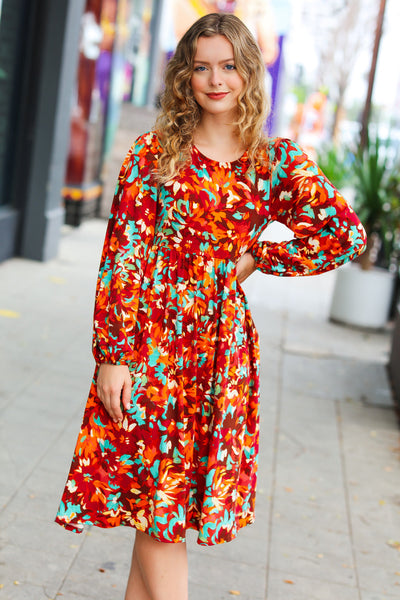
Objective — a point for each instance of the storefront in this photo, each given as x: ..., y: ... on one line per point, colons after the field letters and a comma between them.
x: 38, y: 52
x: 66, y: 66
x: 115, y: 65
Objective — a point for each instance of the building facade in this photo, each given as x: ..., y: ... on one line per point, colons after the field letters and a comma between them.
x: 65, y: 65
x: 38, y: 52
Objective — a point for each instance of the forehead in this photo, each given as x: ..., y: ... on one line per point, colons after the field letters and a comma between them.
x: 217, y: 47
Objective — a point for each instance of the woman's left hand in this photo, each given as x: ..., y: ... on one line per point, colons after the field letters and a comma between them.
x: 245, y: 266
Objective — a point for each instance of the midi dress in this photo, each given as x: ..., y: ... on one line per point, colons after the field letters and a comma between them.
x: 169, y: 306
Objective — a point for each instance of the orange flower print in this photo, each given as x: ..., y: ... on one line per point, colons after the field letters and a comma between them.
x: 169, y: 306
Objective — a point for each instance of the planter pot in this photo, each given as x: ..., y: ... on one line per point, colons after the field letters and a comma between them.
x: 362, y: 298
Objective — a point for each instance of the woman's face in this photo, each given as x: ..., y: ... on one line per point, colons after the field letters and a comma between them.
x: 215, y: 82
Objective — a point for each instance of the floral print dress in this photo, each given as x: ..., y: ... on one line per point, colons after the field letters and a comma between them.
x: 168, y: 305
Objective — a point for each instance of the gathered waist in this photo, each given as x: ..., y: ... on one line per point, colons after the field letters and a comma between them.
x: 196, y: 245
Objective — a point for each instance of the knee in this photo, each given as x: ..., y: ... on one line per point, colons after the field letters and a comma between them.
x: 145, y: 541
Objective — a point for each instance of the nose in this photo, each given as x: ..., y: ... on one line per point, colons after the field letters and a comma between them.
x: 215, y: 77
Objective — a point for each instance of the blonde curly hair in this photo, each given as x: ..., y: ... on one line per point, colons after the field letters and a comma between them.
x: 180, y: 114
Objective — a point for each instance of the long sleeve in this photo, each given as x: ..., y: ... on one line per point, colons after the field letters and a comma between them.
x: 327, y: 232
x: 129, y: 236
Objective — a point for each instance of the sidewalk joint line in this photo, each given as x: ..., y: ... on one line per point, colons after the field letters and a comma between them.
x: 73, y: 561
x: 281, y: 347
x: 40, y: 459
x: 339, y: 422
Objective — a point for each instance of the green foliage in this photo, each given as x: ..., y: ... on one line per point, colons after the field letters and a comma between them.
x: 375, y: 176
x: 336, y: 165
x: 370, y: 170
x: 377, y: 200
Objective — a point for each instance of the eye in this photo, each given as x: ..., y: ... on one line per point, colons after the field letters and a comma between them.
x: 230, y: 67
x: 200, y: 68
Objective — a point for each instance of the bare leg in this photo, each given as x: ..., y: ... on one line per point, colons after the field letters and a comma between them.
x: 159, y: 570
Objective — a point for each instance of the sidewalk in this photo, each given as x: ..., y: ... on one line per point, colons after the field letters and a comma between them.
x: 328, y: 504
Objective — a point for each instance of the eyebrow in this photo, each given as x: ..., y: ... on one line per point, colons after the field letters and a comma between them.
x: 204, y: 62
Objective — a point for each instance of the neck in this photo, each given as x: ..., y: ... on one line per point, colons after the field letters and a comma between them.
x: 214, y: 132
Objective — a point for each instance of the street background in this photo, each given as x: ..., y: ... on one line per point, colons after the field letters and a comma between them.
x: 79, y: 80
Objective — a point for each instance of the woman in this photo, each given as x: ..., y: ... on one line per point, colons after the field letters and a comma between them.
x: 169, y: 438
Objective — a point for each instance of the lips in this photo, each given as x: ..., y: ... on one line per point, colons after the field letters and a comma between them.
x: 217, y: 95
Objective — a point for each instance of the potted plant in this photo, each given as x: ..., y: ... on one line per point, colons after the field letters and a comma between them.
x: 363, y: 292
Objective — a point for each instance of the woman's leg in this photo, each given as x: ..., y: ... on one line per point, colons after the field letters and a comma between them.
x: 159, y: 570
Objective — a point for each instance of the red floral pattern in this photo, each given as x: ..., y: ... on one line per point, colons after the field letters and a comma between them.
x: 168, y: 305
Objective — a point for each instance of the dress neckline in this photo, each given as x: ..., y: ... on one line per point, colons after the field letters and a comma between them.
x: 242, y: 158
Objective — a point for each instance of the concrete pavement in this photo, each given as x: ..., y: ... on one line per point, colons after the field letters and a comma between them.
x: 328, y: 504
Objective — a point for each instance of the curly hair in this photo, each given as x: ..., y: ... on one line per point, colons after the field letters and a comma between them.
x: 180, y: 114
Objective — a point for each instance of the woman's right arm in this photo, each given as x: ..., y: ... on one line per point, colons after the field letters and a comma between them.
x: 129, y: 235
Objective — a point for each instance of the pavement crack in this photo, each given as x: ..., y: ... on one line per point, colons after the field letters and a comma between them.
x: 301, y: 448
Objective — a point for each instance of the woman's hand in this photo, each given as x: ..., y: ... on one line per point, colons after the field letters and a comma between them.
x: 114, y: 386
x: 245, y: 266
